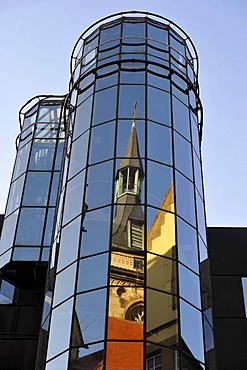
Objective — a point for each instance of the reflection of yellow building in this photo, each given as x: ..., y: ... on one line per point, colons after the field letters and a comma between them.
x: 161, y: 310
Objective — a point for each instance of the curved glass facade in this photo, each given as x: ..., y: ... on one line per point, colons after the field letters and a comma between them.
x: 130, y: 235
x: 32, y: 199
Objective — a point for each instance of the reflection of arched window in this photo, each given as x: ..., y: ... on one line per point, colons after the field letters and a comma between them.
x: 135, y: 312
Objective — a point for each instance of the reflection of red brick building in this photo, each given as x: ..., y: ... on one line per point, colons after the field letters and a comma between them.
x: 124, y: 355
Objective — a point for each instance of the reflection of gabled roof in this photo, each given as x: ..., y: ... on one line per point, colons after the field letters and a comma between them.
x: 132, y: 155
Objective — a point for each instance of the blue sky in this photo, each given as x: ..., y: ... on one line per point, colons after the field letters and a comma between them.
x: 36, y: 40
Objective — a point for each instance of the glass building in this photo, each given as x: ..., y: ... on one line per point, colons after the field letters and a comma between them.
x: 126, y: 286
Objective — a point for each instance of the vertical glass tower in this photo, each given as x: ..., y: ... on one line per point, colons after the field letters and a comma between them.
x: 129, y: 290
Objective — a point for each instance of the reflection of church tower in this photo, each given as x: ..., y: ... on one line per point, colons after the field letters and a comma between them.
x: 129, y: 219
x: 126, y: 308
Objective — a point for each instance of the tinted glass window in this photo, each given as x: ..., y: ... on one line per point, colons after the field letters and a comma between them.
x: 158, y: 105
x: 129, y: 94
x: 105, y: 105
x: 102, y: 142
x: 42, y: 155
x: 159, y: 143
x: 30, y: 227
x: 36, y: 188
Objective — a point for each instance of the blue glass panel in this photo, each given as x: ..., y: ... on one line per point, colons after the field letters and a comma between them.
x: 105, y: 105
x: 201, y: 217
x: 8, y: 231
x: 30, y: 226
x: 78, y: 154
x: 244, y: 286
x: 65, y: 284
x: 198, y: 173
x: 84, y: 95
x: 59, y: 363
x: 185, y: 198
x: 181, y: 118
x: 187, y: 245
x: 132, y: 77
x: 183, y: 157
x: 45, y: 254
x: 160, y: 191
x: 104, y: 82
x: 191, y: 330
x: 189, y: 286
x: 177, y: 44
x: 26, y: 254
x: 159, y: 143
x: 159, y: 34
x: 68, y: 249
x: 6, y: 292
x: 90, y: 314
x: 160, y: 82
x: 73, y: 198
x: 36, y: 189
x: 96, y: 270
x: 21, y: 160
x: 158, y: 105
x: 15, y: 194
x: 93, y: 242
x: 129, y: 94
x: 133, y: 29
x: 195, y: 135
x: 42, y: 154
x: 49, y: 113
x: 49, y: 226
x: 83, y: 117
x: 54, y: 189
x: 99, y: 185
x: 59, y: 154
x: 59, y: 337
x: 102, y: 142
x: 107, y: 36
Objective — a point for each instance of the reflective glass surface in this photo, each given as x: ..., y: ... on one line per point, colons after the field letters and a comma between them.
x: 26, y: 254
x: 36, y: 189
x: 185, y: 198
x: 89, y: 316
x: 65, y: 284
x: 42, y: 154
x: 183, y: 157
x: 15, y: 195
x: 92, y: 354
x: 181, y: 118
x: 105, y: 105
x: 49, y: 226
x: 162, y: 327
x: 74, y: 195
x: 30, y: 226
x: 128, y: 95
x: 60, y: 334
x: 102, y: 142
x: 156, y: 111
x: 132, y: 352
x: 68, y: 249
x: 159, y: 34
x: 83, y: 117
x: 99, y: 185
x: 161, y: 232
x: 8, y: 231
x: 187, y: 245
x: 123, y: 135
x: 133, y: 32
x: 159, y: 143
x: 189, y: 286
x: 95, y: 269
x: 161, y: 273
x: 191, y: 330
x: 159, y: 192
x: 78, y: 155
x: 93, y: 242
x: 59, y: 363
x: 21, y: 160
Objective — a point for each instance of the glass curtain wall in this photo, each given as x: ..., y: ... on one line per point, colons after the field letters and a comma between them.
x: 131, y: 235
x: 29, y: 215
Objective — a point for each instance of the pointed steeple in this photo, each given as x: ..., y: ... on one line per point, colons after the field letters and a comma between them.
x: 132, y: 155
x: 129, y: 219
